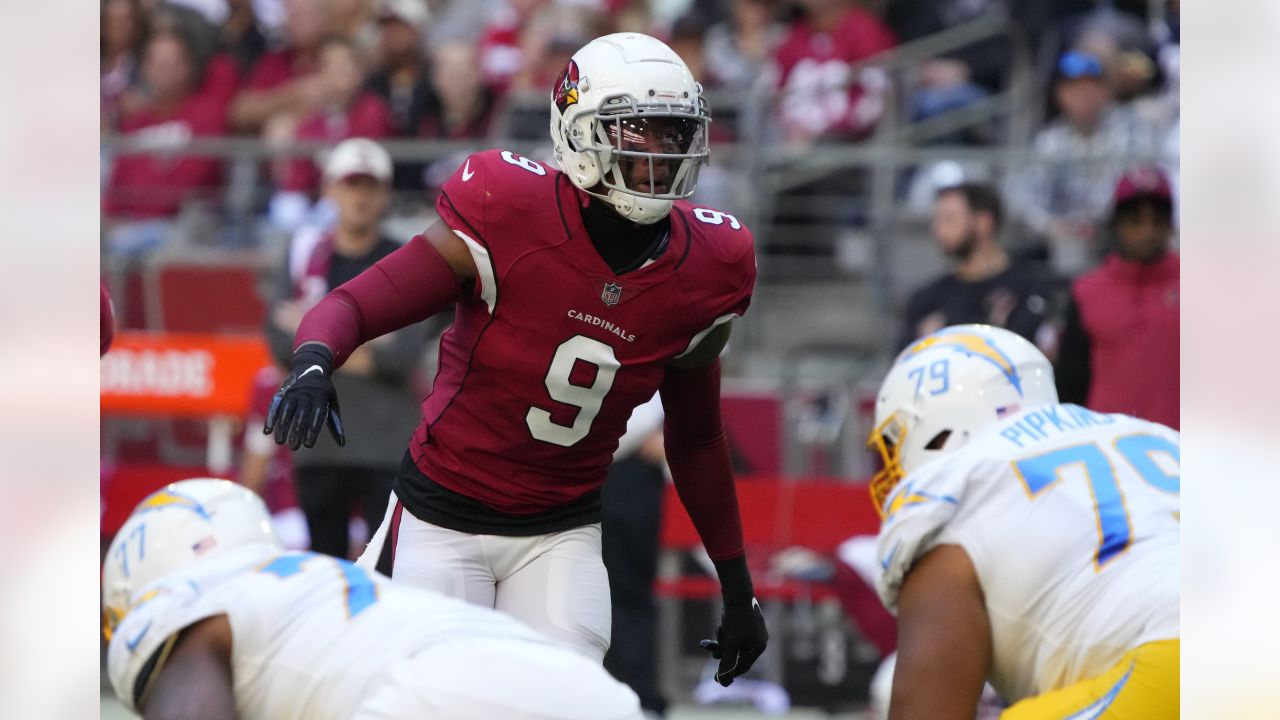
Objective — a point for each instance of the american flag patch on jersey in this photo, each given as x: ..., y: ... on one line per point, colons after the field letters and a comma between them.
x: 1007, y: 410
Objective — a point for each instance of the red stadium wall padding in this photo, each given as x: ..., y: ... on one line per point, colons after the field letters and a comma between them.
x: 753, y: 421
x: 210, y: 299
x: 776, y: 513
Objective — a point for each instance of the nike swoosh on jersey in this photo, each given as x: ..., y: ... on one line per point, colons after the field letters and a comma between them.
x: 467, y: 172
x: 1100, y: 705
x: 133, y: 644
x: 313, y: 367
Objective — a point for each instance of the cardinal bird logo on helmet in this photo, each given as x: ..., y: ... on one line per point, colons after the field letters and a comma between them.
x: 566, y: 89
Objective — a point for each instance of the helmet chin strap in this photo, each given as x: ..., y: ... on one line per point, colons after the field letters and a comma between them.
x: 637, y: 209
x: 640, y: 210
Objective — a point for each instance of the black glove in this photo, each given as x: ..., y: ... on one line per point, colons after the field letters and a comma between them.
x: 742, y: 635
x: 306, y: 401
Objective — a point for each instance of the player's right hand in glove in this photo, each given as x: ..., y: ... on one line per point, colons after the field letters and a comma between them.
x: 306, y: 401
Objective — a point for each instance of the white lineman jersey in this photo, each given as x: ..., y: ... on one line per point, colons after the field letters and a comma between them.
x: 1071, y: 519
x: 317, y: 637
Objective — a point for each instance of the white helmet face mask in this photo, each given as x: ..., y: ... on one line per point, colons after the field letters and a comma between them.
x: 946, y: 387
x: 175, y: 527
x: 628, y: 117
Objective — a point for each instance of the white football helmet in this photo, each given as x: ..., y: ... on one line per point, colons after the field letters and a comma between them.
x: 627, y: 115
x: 175, y: 527
x: 946, y: 387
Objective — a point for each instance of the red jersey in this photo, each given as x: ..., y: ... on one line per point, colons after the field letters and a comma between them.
x: 545, y: 362
x: 149, y: 185
x: 500, y: 54
x: 368, y: 117
x: 819, y: 93
x: 1131, y: 314
x: 277, y: 68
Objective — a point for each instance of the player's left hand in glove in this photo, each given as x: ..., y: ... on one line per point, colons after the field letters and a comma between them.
x: 740, y: 639
x: 742, y: 635
x: 306, y: 401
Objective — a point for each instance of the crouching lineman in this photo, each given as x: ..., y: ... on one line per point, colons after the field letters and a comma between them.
x: 208, y: 617
x: 1023, y: 541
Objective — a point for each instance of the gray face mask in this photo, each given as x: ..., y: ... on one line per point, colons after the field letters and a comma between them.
x: 651, y: 150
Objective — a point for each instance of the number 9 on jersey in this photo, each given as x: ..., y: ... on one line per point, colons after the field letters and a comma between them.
x: 586, y: 399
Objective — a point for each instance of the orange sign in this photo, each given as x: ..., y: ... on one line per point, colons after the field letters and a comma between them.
x: 180, y: 374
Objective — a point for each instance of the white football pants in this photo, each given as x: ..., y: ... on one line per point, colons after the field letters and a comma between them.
x: 490, y: 678
x: 554, y: 583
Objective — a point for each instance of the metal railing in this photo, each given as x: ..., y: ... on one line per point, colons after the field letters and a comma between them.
x: 820, y: 375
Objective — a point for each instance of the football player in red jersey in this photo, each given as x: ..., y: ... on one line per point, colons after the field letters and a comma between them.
x: 578, y: 295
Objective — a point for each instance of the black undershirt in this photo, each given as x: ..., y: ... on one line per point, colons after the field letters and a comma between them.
x: 624, y: 246
x: 431, y: 502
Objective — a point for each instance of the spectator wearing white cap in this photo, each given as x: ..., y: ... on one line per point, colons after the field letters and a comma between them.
x: 375, y: 381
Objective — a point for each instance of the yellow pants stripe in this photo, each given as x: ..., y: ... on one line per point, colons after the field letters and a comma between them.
x: 1142, y: 686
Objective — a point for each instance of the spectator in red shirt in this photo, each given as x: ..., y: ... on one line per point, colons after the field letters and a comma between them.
x: 123, y: 35
x: 1119, y: 350
x: 820, y: 99
x: 819, y: 95
x: 220, y: 75
x: 501, y: 54
x: 546, y: 41
x: 154, y: 185
x: 284, y: 82
x: 345, y: 111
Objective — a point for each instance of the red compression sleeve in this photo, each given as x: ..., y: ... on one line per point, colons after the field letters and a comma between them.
x: 698, y: 453
x: 405, y: 287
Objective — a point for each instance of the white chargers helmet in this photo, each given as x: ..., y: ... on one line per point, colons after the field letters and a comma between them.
x: 177, y: 526
x: 629, y: 124
x: 946, y: 387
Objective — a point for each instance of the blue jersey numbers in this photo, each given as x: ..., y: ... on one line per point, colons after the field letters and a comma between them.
x: 359, y: 591
x: 939, y: 377
x: 1115, y: 529
x: 136, y: 543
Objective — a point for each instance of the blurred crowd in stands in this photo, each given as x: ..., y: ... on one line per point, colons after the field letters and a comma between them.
x: 291, y: 71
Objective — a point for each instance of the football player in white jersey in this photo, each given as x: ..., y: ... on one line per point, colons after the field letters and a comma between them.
x: 1025, y: 542
x: 209, y: 617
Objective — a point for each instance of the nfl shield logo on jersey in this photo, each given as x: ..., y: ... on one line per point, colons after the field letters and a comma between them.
x: 612, y: 294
